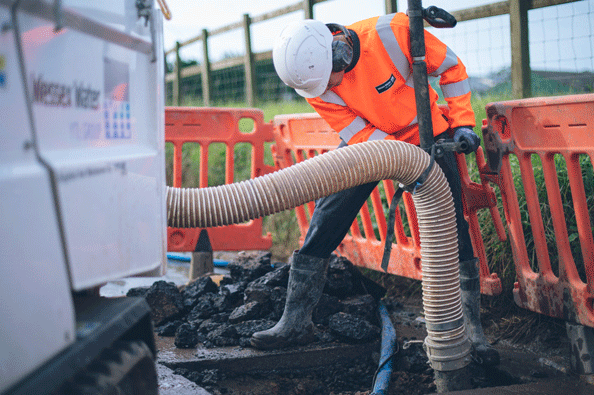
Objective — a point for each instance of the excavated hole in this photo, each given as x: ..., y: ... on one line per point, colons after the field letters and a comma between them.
x: 205, y: 317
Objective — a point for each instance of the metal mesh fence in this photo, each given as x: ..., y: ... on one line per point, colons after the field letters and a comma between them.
x: 561, y: 57
x: 561, y: 49
x: 270, y: 86
x: 483, y: 45
x: 228, y: 86
x: 561, y: 38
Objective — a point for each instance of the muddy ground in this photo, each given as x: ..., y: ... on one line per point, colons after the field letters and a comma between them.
x: 220, y: 313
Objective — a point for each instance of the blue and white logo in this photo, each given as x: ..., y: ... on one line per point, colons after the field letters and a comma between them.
x: 2, y: 72
x: 116, y: 105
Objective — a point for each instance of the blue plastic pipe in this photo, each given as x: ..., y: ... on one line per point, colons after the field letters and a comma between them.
x: 176, y: 257
x: 183, y: 258
x: 388, y: 347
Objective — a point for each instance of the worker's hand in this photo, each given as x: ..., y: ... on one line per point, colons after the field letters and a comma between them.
x: 466, y: 135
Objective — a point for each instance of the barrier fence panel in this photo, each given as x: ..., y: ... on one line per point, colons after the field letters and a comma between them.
x: 301, y: 136
x: 531, y: 144
x: 207, y: 126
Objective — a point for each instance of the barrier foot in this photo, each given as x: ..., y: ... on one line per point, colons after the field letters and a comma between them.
x: 581, y: 340
x: 202, y: 260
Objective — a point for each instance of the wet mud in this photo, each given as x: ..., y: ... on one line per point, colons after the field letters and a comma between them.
x: 203, y: 332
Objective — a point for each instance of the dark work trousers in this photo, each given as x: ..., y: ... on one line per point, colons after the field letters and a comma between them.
x: 334, y: 214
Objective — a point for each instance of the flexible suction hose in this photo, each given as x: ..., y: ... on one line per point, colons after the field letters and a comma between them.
x: 447, y: 344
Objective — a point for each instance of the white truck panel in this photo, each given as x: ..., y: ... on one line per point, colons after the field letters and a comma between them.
x: 82, y: 174
x: 36, y: 304
x: 98, y: 113
x: 37, y: 313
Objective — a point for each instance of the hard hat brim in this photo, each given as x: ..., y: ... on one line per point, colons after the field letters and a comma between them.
x: 311, y: 93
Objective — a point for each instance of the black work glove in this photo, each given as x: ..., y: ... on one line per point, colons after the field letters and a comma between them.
x: 464, y: 134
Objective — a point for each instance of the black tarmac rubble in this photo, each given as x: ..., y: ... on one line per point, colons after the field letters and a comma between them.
x: 251, y: 298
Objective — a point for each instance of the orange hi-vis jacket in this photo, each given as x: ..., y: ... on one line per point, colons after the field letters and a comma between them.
x: 376, y: 99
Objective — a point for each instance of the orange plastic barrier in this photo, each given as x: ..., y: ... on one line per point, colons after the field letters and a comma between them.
x: 215, y: 125
x: 541, y: 129
x: 302, y: 136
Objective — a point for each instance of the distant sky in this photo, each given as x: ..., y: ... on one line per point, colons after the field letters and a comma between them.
x: 561, y: 37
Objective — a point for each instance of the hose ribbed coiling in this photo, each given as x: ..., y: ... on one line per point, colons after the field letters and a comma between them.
x: 335, y: 171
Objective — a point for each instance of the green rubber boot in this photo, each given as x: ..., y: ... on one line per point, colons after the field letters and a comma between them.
x: 306, y: 283
x: 470, y: 287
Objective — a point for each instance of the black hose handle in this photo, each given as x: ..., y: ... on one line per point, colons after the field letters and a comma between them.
x: 438, y: 17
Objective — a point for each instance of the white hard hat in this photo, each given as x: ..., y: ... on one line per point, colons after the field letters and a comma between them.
x: 302, y: 57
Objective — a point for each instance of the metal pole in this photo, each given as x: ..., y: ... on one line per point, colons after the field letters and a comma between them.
x: 205, y: 70
x: 417, y: 51
x: 308, y: 9
x: 520, y: 45
x: 249, y: 64
x: 454, y: 375
x: 177, y: 83
x: 391, y: 6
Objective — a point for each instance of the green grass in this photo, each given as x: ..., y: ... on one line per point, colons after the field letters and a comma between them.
x: 279, y: 108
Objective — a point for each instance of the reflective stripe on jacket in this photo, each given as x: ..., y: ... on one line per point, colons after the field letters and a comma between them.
x: 376, y: 99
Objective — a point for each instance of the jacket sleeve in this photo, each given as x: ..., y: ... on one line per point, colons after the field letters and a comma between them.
x: 442, y: 62
x: 351, y: 127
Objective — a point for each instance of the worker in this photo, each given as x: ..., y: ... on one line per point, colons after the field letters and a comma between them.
x: 359, y: 79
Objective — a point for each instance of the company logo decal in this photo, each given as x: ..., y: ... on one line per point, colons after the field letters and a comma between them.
x: 2, y: 72
x: 86, y: 97
x: 55, y: 94
x: 51, y: 93
x: 116, y: 104
x: 381, y: 88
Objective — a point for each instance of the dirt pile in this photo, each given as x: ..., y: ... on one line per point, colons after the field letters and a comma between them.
x: 251, y: 298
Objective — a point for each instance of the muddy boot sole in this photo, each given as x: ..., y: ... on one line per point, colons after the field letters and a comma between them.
x: 306, y: 284
x: 265, y: 341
